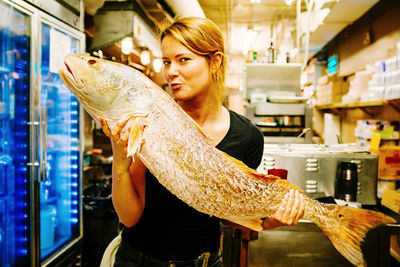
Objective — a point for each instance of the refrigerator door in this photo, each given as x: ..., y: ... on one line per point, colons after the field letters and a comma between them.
x: 60, y: 188
x: 15, y: 30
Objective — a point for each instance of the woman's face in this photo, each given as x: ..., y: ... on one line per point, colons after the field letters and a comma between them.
x: 187, y: 74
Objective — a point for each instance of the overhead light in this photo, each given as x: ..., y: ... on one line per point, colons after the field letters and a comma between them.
x: 288, y: 2
x: 255, y: 1
x: 157, y: 64
x: 126, y: 45
x: 145, y: 57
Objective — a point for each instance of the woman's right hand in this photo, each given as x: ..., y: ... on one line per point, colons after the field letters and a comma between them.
x: 128, y: 189
x: 119, y: 136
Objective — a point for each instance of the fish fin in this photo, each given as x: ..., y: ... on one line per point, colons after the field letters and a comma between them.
x: 351, y: 230
x: 255, y: 225
x: 254, y: 173
x: 136, y: 139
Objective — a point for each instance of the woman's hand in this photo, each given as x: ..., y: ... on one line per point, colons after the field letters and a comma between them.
x: 289, y: 213
x: 119, y: 135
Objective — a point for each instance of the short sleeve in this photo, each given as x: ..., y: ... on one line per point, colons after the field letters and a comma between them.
x: 256, y: 148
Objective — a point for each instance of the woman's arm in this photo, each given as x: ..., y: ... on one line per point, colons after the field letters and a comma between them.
x: 128, y: 178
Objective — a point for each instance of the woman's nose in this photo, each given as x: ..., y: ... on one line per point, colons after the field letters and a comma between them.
x: 172, y: 70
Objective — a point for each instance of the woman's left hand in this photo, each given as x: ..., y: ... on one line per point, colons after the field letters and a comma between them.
x: 289, y: 213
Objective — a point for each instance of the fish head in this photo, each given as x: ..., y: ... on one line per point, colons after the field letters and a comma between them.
x: 106, y: 89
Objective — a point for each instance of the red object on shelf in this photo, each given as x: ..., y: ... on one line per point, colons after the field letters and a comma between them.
x: 282, y: 173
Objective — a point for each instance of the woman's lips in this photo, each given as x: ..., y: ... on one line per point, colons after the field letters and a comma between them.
x: 176, y: 86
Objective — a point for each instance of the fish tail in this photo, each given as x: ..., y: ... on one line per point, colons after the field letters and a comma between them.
x: 349, y: 228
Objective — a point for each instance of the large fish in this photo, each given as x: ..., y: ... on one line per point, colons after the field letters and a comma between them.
x: 175, y: 149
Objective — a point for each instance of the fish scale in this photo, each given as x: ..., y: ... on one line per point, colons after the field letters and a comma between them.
x: 176, y: 150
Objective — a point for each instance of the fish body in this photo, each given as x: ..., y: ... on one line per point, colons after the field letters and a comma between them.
x: 176, y: 150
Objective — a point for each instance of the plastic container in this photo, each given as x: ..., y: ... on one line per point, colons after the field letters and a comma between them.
x: 281, y: 173
x: 48, y: 222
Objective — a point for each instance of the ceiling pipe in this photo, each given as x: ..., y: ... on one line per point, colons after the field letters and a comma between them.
x: 186, y: 8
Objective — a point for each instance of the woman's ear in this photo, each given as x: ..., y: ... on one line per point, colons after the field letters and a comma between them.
x: 217, y: 58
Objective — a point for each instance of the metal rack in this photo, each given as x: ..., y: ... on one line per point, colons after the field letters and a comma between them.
x: 284, y: 116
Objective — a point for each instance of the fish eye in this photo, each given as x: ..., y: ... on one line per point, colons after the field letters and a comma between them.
x: 92, y: 62
x: 341, y: 215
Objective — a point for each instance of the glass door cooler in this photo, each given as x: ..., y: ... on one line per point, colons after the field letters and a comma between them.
x: 40, y: 140
x: 15, y: 216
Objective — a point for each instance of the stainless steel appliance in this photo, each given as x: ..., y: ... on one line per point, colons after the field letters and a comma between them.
x: 316, y: 168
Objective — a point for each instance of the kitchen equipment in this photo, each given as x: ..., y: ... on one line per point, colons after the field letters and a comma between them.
x: 285, y: 114
x: 272, y: 78
x: 316, y: 168
x: 347, y: 183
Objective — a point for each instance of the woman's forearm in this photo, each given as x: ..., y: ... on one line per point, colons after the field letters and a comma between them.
x: 128, y: 191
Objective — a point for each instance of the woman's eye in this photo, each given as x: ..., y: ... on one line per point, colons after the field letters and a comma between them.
x: 166, y: 63
x: 184, y: 59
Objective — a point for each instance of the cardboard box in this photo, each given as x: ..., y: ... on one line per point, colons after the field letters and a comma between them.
x: 389, y: 162
x: 331, y: 90
x: 391, y: 200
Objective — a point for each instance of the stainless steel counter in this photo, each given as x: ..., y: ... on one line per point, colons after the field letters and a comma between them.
x: 301, y: 245
x: 305, y: 245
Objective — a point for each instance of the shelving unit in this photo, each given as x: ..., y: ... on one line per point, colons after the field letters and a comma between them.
x: 364, y: 106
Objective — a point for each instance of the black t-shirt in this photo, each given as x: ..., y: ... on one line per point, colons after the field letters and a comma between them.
x: 169, y: 228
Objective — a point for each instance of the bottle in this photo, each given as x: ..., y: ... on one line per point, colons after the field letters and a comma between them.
x: 251, y: 56
x: 7, y: 173
x: 6, y: 159
x: 271, y: 53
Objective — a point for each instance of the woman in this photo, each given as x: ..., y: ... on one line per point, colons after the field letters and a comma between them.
x: 160, y: 229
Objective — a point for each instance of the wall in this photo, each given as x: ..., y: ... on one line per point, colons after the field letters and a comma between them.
x: 382, y: 24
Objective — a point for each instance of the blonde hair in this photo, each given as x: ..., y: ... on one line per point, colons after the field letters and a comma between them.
x: 204, y: 38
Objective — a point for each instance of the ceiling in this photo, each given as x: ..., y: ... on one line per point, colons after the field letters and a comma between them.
x: 269, y: 21
x: 274, y: 19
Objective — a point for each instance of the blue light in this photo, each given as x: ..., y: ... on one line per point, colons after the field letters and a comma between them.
x: 332, y: 70
x: 333, y: 65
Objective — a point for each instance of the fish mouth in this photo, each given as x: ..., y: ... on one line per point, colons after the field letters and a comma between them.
x: 70, y: 77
